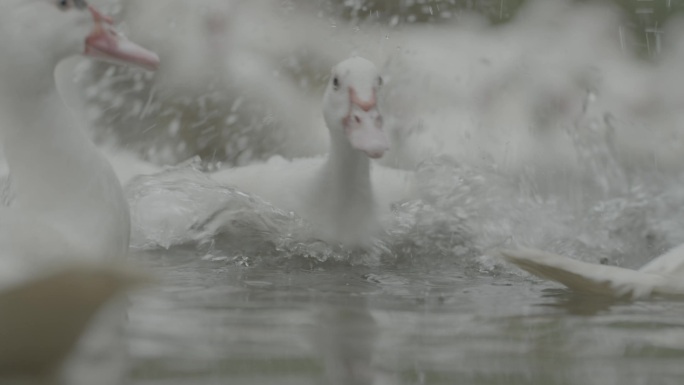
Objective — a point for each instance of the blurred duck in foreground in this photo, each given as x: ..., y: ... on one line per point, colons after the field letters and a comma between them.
x: 68, y: 224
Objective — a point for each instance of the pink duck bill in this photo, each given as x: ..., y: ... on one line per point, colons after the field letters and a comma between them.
x: 106, y: 44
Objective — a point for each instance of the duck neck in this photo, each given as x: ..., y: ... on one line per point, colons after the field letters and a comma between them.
x: 56, y: 172
x: 345, y: 191
x: 348, y: 167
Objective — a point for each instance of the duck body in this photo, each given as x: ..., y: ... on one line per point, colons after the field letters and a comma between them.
x: 93, y: 219
x: 337, y: 194
x: 58, y: 176
x: 341, y: 206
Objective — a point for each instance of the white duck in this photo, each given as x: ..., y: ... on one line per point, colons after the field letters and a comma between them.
x: 69, y: 210
x: 662, y: 276
x: 335, y: 194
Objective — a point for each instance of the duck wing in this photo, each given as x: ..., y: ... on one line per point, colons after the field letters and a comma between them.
x: 593, y: 278
x: 670, y: 263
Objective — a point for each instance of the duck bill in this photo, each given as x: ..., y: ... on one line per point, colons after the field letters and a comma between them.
x: 365, y: 132
x: 105, y: 43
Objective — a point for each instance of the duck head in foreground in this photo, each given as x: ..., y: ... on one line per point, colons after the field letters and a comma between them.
x: 45, y: 32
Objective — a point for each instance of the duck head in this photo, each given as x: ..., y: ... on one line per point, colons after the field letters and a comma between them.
x: 350, y: 107
x: 52, y: 30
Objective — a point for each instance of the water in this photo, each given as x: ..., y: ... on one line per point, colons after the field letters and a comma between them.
x: 210, y: 324
x: 429, y: 305
x: 546, y: 131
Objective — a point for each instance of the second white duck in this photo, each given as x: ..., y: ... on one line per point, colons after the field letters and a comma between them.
x: 340, y: 196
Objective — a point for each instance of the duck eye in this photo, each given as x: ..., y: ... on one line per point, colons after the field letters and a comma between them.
x: 336, y: 83
x: 63, y: 4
